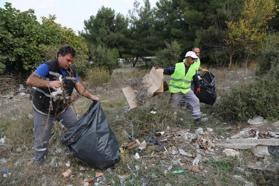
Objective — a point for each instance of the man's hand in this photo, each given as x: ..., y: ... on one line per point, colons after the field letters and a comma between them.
x: 198, y: 90
x: 94, y: 98
x: 54, y: 84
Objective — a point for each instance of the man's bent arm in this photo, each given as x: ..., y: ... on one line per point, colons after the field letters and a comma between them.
x: 84, y: 92
x: 35, y: 81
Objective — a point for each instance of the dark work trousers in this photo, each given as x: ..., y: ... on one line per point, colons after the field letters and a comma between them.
x: 188, y: 100
x: 43, y: 125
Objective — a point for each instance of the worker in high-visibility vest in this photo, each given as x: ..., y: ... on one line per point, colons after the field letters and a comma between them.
x: 182, y: 75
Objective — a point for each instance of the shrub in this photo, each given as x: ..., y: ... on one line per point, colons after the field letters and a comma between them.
x: 269, y: 55
x: 259, y: 98
x: 97, y: 76
x: 104, y: 57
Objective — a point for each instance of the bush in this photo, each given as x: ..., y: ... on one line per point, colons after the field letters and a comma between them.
x: 97, y: 76
x: 259, y: 98
x: 104, y: 57
x: 269, y: 56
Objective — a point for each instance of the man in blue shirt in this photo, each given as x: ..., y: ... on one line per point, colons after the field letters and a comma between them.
x: 53, y: 83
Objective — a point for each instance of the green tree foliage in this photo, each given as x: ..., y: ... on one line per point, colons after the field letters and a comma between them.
x: 107, y: 29
x: 24, y: 42
x: 168, y: 56
x: 142, y: 30
x: 249, y: 30
x: 19, y: 39
x: 104, y: 57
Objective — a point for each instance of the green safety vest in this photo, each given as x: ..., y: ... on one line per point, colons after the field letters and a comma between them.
x: 197, y: 64
x: 181, y: 83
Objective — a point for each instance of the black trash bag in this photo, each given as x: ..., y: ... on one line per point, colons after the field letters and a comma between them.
x: 92, y: 140
x: 207, y: 84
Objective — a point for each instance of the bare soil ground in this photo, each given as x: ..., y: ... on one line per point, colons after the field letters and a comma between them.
x: 177, y: 152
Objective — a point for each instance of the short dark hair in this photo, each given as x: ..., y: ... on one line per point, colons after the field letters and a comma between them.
x: 66, y: 50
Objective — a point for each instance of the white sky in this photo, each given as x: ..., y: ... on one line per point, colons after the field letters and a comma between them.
x: 72, y: 13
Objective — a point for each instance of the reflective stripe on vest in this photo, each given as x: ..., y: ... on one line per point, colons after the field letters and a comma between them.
x: 181, y: 82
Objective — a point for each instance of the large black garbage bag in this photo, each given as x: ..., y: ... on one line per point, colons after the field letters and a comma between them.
x: 207, y: 84
x: 92, y: 140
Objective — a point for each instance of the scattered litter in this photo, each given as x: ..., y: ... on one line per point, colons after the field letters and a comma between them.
x: 178, y: 171
x: 209, y: 129
x: 160, y: 133
x: 137, y: 156
x: 153, y: 112
x: 257, y: 120
x: 142, y: 145
x: 122, y: 178
x: 195, y: 168
x: 183, y: 153
x: 5, y: 172
x: 3, y: 161
x: 205, y: 143
x: 246, y: 133
x: 2, y: 140
x: 174, y: 150
x: 67, y: 173
x: 231, y: 152
x: 199, y: 131
x: 197, y: 160
x: 68, y: 164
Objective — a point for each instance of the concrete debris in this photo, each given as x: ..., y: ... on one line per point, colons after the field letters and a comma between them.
x: 260, y: 151
x: 243, y: 180
x: 67, y: 173
x: 247, y: 143
x: 247, y: 133
x: 187, y: 135
x: 274, y: 151
x: 231, y: 152
x: 183, y: 153
x: 257, y: 120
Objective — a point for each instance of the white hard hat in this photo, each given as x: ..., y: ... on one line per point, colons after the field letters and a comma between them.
x: 191, y: 54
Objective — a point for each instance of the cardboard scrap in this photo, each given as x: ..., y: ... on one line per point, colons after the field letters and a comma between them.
x: 130, y: 95
x: 153, y: 82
